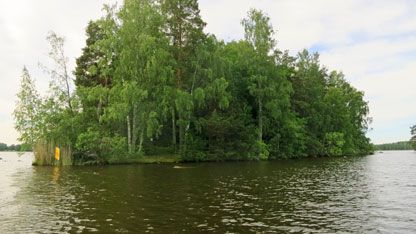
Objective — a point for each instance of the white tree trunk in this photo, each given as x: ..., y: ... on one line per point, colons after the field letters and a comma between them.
x: 129, y: 133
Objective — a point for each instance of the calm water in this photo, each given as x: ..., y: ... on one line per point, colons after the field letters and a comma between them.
x: 374, y: 194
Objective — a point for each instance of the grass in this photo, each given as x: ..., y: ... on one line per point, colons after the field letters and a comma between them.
x: 151, y: 159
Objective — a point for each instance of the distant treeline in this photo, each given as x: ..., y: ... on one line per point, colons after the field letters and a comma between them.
x: 402, y: 145
x: 5, y: 147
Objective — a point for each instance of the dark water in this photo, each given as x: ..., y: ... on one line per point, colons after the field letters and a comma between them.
x: 374, y: 194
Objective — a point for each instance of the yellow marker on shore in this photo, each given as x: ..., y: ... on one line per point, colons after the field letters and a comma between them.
x: 57, y: 153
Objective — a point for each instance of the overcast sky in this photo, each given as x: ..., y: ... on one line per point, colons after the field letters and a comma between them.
x: 372, y: 42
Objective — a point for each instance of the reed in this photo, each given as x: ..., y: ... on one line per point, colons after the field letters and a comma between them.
x: 44, y: 152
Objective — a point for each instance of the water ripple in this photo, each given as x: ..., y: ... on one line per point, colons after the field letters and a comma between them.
x: 368, y: 194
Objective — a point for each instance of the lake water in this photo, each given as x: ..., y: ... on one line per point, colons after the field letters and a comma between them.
x: 373, y: 194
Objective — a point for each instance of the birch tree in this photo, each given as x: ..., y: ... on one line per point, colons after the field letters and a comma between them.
x: 27, y: 121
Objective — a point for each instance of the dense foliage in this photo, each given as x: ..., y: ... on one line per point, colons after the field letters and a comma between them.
x: 402, y: 145
x: 13, y: 147
x: 151, y: 82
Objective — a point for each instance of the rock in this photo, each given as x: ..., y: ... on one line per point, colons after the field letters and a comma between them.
x: 180, y: 167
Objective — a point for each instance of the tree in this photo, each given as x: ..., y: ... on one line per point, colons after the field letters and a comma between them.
x: 347, y: 112
x: 88, y: 71
x: 3, y: 147
x: 27, y: 109
x: 149, y: 80
x: 61, y: 82
x: 334, y: 143
x: 259, y: 32
x: 94, y: 80
x: 184, y: 27
x: 142, y: 74
x: 413, y: 139
x: 269, y: 89
x: 401, y: 145
x: 309, y: 85
x: 210, y: 98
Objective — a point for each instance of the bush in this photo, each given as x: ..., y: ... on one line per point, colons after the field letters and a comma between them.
x: 334, y: 143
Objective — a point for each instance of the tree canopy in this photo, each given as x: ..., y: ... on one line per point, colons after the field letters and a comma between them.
x: 401, y: 145
x: 13, y: 147
x: 150, y: 81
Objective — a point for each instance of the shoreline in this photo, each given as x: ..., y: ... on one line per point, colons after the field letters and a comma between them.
x: 176, y: 159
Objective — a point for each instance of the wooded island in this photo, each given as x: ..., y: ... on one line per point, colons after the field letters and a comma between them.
x: 151, y: 82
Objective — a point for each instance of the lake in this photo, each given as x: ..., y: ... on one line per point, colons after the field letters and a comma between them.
x: 369, y: 194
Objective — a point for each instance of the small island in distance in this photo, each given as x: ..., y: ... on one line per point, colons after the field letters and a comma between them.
x: 10, y: 148
x: 401, y: 145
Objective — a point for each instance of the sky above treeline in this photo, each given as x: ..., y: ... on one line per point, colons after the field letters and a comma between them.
x: 372, y: 42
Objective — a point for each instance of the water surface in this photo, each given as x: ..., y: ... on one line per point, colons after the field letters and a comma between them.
x: 373, y: 194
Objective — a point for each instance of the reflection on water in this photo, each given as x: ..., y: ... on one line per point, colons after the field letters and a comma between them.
x: 369, y: 194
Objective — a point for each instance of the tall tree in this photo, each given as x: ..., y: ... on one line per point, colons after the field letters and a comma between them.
x: 150, y: 79
x: 259, y: 32
x: 184, y: 27
x: 346, y: 113
x: 27, y: 109
x: 143, y: 72
x: 94, y: 79
x: 309, y: 83
x: 88, y: 71
x: 270, y: 90
x: 61, y: 80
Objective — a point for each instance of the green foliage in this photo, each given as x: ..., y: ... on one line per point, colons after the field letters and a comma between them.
x: 401, y: 145
x: 151, y: 82
x: 258, y: 31
x: 413, y: 139
x: 262, y: 150
x: 27, y: 109
x: 13, y: 147
x: 334, y: 142
x: 3, y: 147
x: 89, y: 143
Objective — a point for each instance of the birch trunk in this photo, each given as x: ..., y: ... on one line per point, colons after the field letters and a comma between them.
x: 129, y: 133
x: 173, y: 130
x: 260, y: 116
x: 141, y: 141
x: 134, y: 132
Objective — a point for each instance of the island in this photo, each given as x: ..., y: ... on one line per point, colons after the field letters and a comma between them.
x: 152, y: 86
